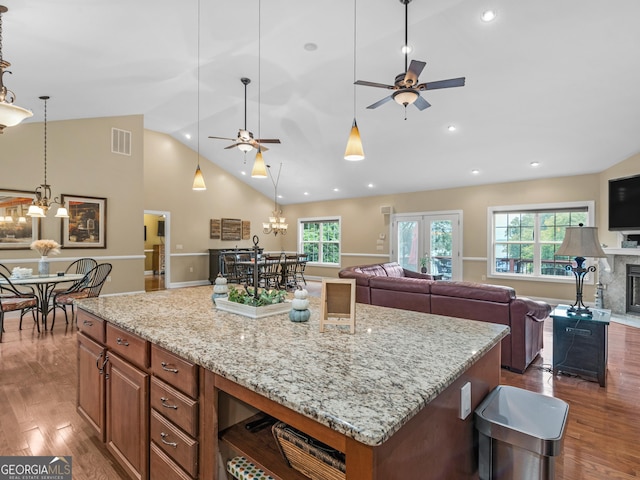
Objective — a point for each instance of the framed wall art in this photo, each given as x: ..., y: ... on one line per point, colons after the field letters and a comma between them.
x: 86, y: 226
x: 231, y: 229
x: 215, y: 228
x: 17, y: 230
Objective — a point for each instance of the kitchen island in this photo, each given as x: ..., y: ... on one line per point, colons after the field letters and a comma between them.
x: 388, y: 396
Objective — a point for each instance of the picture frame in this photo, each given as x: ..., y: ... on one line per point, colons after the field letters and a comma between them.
x: 215, y: 228
x: 231, y: 229
x: 17, y: 230
x: 86, y: 226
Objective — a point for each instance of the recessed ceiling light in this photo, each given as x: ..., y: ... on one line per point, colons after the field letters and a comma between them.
x: 310, y: 47
x: 535, y: 164
x: 187, y: 136
x: 279, y: 196
x: 336, y: 189
x: 370, y: 185
x: 452, y: 128
x: 406, y: 49
x: 243, y: 172
x: 475, y: 171
x: 488, y: 16
x: 306, y: 193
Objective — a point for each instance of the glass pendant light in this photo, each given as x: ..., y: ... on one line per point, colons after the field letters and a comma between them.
x: 198, y: 178
x: 354, y: 150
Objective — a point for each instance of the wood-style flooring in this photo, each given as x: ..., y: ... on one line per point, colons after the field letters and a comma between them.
x: 38, y: 396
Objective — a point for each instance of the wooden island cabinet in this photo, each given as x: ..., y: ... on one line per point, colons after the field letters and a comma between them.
x: 170, y: 388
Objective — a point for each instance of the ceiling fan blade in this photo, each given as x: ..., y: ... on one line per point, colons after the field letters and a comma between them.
x: 452, y: 82
x: 380, y: 102
x: 261, y: 147
x: 374, y: 84
x: 233, y: 145
x: 223, y: 138
x: 267, y: 140
x: 421, y: 103
x: 415, y: 69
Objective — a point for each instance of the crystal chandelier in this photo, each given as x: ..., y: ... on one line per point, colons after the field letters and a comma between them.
x: 10, y: 114
x: 277, y: 223
x: 44, y: 200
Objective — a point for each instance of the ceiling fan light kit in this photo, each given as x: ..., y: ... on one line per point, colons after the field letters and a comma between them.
x: 406, y: 87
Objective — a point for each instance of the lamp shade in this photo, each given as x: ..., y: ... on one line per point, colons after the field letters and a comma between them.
x: 259, y: 168
x: 354, y: 149
x: 62, y: 213
x: 35, y: 211
x: 198, y: 180
x: 581, y: 242
x: 11, y: 115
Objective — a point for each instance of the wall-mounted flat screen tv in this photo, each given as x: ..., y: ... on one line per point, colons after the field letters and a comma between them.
x: 161, y: 228
x: 624, y: 203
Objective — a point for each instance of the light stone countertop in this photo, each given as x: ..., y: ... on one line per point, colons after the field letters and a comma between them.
x: 366, y: 386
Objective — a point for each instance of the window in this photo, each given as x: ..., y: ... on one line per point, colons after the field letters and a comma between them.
x: 524, y: 238
x: 320, y: 240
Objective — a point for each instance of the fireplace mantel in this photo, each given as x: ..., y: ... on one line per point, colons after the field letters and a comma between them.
x: 622, y: 251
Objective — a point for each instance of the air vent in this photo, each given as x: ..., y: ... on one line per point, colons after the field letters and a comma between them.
x: 120, y: 141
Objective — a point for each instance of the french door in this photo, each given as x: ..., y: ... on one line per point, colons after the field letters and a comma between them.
x: 429, y: 239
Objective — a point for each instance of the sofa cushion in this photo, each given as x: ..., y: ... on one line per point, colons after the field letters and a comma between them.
x: 373, y: 270
x: 474, y: 291
x: 401, y: 284
x: 393, y: 269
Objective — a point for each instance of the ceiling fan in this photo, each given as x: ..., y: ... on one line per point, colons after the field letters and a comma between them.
x: 406, y: 89
x: 245, y: 141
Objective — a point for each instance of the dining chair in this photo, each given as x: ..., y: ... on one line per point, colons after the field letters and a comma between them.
x: 81, y: 266
x: 290, y: 263
x: 89, y: 286
x: 12, y: 300
x: 270, y: 274
x: 300, y: 266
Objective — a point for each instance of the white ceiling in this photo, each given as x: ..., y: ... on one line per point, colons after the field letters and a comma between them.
x: 549, y: 81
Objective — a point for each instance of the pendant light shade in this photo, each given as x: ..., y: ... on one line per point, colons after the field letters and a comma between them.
x: 198, y: 180
x: 259, y: 168
x: 354, y: 149
x: 10, y: 114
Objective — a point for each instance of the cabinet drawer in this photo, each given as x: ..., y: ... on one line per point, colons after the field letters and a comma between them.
x: 174, y: 370
x: 163, y: 467
x: 176, y: 406
x: 175, y: 443
x: 128, y: 345
x: 91, y: 325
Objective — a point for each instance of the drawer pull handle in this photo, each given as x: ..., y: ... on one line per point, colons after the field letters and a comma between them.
x: 120, y: 341
x: 163, y: 400
x: 165, y: 435
x: 165, y: 367
x: 87, y: 323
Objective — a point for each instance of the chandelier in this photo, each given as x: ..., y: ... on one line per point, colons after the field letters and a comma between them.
x: 277, y: 223
x: 44, y: 200
x: 10, y: 114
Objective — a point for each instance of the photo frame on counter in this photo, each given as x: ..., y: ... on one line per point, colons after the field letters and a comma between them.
x: 17, y: 230
x: 231, y: 229
x: 86, y: 226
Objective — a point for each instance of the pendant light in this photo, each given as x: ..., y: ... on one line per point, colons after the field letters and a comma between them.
x: 259, y: 169
x: 44, y: 200
x: 198, y: 179
x: 10, y: 114
x: 354, y: 151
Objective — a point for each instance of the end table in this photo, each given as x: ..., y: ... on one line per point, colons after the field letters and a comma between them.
x: 580, y: 343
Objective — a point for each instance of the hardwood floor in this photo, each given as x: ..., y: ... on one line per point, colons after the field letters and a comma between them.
x: 38, y: 396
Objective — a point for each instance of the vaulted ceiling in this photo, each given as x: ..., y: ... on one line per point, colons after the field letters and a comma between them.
x: 553, y: 82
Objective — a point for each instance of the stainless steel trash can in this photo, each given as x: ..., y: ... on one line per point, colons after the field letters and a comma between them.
x: 520, y: 433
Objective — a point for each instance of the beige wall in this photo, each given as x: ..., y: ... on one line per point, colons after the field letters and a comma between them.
x: 169, y: 170
x: 362, y: 221
x: 80, y: 162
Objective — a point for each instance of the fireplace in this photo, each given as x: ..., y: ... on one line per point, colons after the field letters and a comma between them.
x: 633, y: 289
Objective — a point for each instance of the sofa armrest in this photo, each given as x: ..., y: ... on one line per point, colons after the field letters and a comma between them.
x: 361, y: 278
x: 534, y: 309
x: 412, y: 274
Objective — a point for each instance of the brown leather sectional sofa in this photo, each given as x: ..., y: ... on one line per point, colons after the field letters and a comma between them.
x: 390, y: 285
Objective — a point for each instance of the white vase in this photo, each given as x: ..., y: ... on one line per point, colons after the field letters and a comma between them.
x: 43, y: 266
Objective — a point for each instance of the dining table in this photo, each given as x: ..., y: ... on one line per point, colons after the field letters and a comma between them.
x: 45, y: 286
x: 262, y: 263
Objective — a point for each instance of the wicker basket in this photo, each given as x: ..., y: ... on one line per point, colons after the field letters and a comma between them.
x: 314, y: 459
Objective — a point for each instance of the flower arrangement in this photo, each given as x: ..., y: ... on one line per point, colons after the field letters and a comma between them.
x: 247, y: 296
x: 45, y: 247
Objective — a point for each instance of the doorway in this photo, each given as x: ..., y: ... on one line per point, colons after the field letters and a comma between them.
x: 432, y: 240
x: 156, y: 245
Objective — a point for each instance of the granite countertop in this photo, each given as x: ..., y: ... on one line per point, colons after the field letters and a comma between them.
x: 365, y: 386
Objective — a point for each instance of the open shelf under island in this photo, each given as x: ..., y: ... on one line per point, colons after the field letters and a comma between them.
x: 388, y: 397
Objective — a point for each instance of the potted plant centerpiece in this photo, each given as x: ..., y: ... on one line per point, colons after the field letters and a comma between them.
x: 424, y: 262
x: 254, y: 302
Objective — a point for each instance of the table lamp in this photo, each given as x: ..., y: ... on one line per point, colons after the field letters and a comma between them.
x: 580, y: 242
